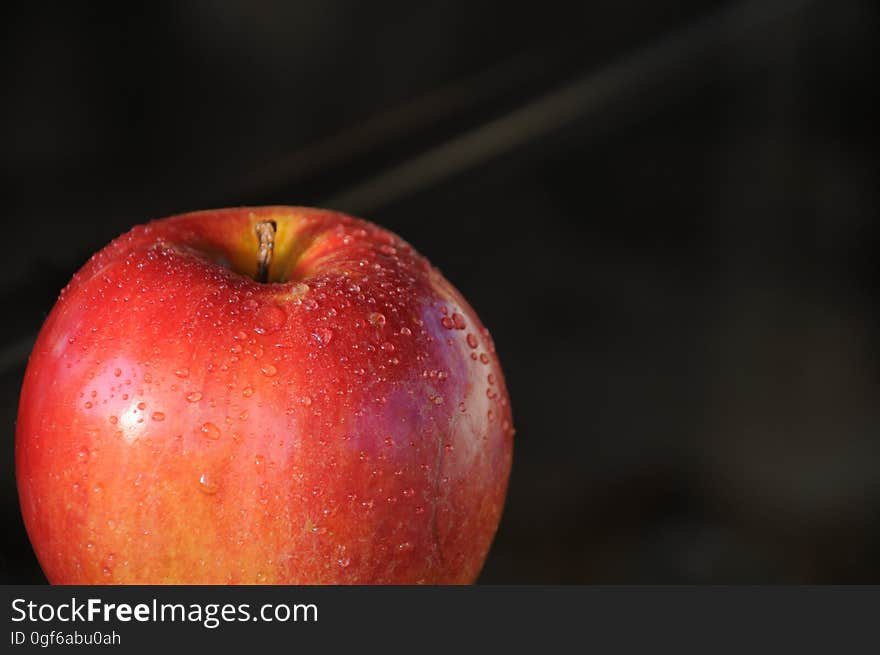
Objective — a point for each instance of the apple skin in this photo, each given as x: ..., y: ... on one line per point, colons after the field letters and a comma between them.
x: 182, y: 423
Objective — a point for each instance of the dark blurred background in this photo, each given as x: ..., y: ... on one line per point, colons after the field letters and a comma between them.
x: 666, y: 214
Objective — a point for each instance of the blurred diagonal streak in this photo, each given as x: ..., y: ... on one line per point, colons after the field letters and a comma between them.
x: 589, y: 95
x: 417, y: 114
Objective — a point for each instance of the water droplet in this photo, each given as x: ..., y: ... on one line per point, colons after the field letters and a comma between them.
x: 269, y: 319
x: 247, y: 392
x: 323, y: 335
x: 194, y: 397
x: 249, y: 305
x: 437, y: 400
x: 484, y: 358
x: 298, y: 290
x: 210, y: 431
x: 268, y: 370
x: 148, y: 378
x: 117, y: 372
x: 447, y: 323
x: 404, y: 547
x: 113, y: 420
x: 343, y: 562
x: 182, y: 372
x: 90, y: 545
x: 458, y: 322
x: 207, y: 484
x: 142, y: 406
x: 388, y: 347
x: 472, y: 340
x: 376, y: 319
x: 490, y: 378
x: 259, y: 460
x: 158, y: 416
x: 420, y: 510
x: 409, y: 493
x: 243, y: 416
x: 405, y: 331
x: 310, y: 304
x: 83, y: 453
x: 88, y: 404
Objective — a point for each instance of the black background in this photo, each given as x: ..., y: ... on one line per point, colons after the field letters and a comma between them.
x: 677, y: 258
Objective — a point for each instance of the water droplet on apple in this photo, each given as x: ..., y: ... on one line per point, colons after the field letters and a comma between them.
x: 458, y: 322
x: 182, y: 372
x: 269, y: 319
x: 310, y: 304
x: 142, y: 406
x: 298, y: 291
x: 447, y: 323
x: 158, y: 416
x: 405, y: 331
x: 268, y: 370
x: 409, y: 493
x: 247, y: 392
x: 388, y: 347
x: 113, y: 420
x: 194, y: 397
x: 472, y: 340
x: 207, y: 484
x: 83, y: 453
x: 343, y: 562
x: 323, y: 336
x: 404, y: 547
x: 117, y: 372
x: 490, y: 378
x: 376, y: 319
x: 484, y: 358
x: 210, y: 431
x: 88, y: 404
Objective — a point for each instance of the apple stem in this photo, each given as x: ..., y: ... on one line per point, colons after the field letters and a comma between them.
x: 266, y: 236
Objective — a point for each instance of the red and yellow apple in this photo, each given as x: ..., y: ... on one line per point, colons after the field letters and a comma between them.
x: 262, y: 395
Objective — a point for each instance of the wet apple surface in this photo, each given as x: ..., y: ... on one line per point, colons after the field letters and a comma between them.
x: 182, y: 421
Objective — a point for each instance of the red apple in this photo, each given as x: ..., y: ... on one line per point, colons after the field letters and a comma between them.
x: 182, y: 421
